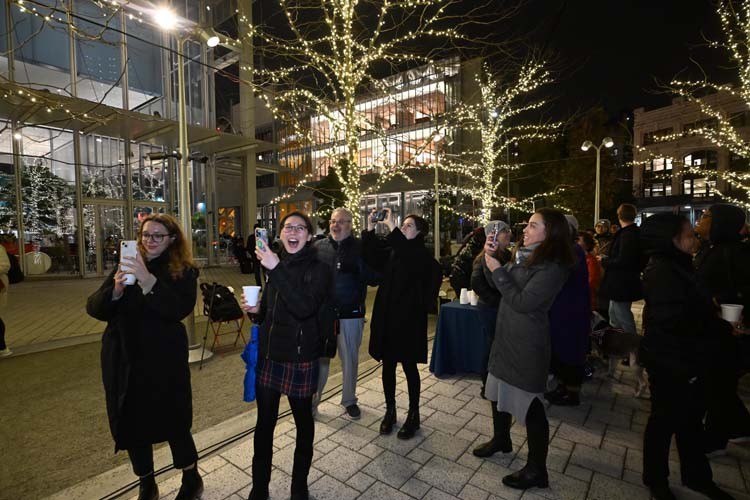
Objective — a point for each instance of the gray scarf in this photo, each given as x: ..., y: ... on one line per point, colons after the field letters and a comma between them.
x: 523, y: 253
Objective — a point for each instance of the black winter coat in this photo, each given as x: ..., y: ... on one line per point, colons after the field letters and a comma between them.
x: 350, y: 274
x: 296, y: 289
x: 622, y: 269
x: 144, y: 356
x: 398, y: 330
x: 684, y: 334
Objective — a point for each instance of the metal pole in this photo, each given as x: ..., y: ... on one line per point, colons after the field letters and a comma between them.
x: 437, y: 215
x: 596, y: 193
x: 183, y: 194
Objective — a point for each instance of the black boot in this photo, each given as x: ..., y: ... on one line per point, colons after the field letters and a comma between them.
x: 147, y: 489
x: 192, y: 485
x: 386, y: 426
x: 501, y: 435
x: 411, y: 425
x: 661, y: 492
x: 526, y: 478
x: 257, y: 495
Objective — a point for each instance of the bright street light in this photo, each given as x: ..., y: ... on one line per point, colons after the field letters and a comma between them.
x: 166, y: 18
x: 607, y: 142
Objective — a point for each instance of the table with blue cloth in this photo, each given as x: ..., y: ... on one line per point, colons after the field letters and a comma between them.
x: 462, y: 339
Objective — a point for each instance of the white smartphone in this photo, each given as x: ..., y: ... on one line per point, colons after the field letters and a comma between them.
x: 128, y: 248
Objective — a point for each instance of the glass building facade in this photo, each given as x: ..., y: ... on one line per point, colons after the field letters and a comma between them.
x: 70, y: 188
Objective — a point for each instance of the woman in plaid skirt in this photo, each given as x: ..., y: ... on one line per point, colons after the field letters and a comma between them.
x: 288, y: 348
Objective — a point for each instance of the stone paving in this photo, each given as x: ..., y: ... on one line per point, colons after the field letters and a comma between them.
x: 595, y: 450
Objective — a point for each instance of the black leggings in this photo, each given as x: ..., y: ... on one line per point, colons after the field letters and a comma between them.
x: 268, y: 412
x: 2, y: 335
x: 413, y: 382
x: 183, y: 449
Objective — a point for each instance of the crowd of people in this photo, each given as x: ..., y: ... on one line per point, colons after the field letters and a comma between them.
x: 546, y: 288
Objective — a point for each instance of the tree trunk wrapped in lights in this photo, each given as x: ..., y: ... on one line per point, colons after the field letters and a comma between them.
x: 328, y: 54
x: 498, y: 119
x: 718, y: 127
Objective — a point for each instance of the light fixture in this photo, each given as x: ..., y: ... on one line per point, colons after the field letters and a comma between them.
x: 587, y: 145
x: 165, y: 18
x: 608, y: 142
x: 494, y: 113
x: 17, y: 136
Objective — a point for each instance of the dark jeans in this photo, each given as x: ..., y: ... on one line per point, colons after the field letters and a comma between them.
x: 183, y: 449
x: 413, y: 382
x: 2, y: 335
x: 569, y: 375
x: 676, y: 409
x: 726, y: 415
x: 267, y: 401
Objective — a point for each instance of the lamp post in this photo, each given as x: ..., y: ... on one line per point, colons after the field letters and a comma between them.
x: 607, y: 142
x: 169, y: 21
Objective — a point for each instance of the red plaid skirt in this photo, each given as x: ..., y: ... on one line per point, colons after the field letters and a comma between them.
x: 296, y: 380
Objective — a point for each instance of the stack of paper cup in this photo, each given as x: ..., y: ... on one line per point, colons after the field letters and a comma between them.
x: 463, y: 298
x: 473, y: 298
x: 251, y: 295
x: 731, y: 312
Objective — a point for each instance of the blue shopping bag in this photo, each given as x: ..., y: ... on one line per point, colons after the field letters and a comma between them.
x: 250, y: 357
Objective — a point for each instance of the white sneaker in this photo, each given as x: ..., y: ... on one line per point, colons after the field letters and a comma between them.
x: 5, y: 352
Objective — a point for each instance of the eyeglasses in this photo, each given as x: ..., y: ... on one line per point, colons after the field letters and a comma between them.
x: 289, y: 228
x: 157, y: 237
x: 340, y: 222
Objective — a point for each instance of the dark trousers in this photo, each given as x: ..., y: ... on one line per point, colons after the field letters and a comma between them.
x: 726, y: 415
x: 183, y: 449
x: 267, y: 401
x: 570, y: 375
x: 413, y: 382
x: 677, y: 408
x: 2, y: 334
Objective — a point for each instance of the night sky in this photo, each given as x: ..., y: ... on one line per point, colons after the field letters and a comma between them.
x: 611, y: 51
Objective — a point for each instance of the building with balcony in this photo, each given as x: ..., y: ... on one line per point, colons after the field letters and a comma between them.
x: 674, y: 168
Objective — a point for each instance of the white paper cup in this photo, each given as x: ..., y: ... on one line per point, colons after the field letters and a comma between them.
x: 731, y: 312
x: 251, y: 295
x: 463, y: 298
x: 473, y: 298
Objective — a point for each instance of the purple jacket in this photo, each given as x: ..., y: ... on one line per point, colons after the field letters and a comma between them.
x: 570, y: 315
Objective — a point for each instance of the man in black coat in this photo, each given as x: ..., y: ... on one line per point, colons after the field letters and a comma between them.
x: 622, y: 270
x: 343, y: 253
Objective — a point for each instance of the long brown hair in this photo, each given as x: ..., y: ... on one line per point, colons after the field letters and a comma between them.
x: 180, y: 255
x: 556, y: 246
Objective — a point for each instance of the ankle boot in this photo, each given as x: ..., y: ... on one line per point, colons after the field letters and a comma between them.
x: 257, y: 494
x: 192, y: 485
x: 147, y: 489
x: 410, y: 427
x: 386, y: 426
x: 501, y: 435
x: 528, y: 477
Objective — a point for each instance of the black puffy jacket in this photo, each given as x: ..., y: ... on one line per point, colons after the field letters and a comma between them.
x: 684, y: 334
x: 622, y: 268
x: 296, y: 289
x: 350, y: 274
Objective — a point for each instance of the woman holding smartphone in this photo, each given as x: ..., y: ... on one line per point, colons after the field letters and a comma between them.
x: 520, y: 354
x: 398, y: 332
x: 288, y: 348
x: 145, y: 353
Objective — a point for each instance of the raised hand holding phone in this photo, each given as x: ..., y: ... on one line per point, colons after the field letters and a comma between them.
x: 128, y: 250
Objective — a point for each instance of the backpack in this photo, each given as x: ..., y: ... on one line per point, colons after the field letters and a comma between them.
x: 328, y: 322
x: 219, y: 303
x: 15, y: 275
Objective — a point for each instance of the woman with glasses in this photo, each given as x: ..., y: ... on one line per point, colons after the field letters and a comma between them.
x: 288, y: 348
x: 145, y: 353
x: 398, y: 332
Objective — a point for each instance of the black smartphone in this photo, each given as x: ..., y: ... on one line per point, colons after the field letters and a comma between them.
x: 381, y: 214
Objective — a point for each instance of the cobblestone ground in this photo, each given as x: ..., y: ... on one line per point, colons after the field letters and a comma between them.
x: 595, y: 450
